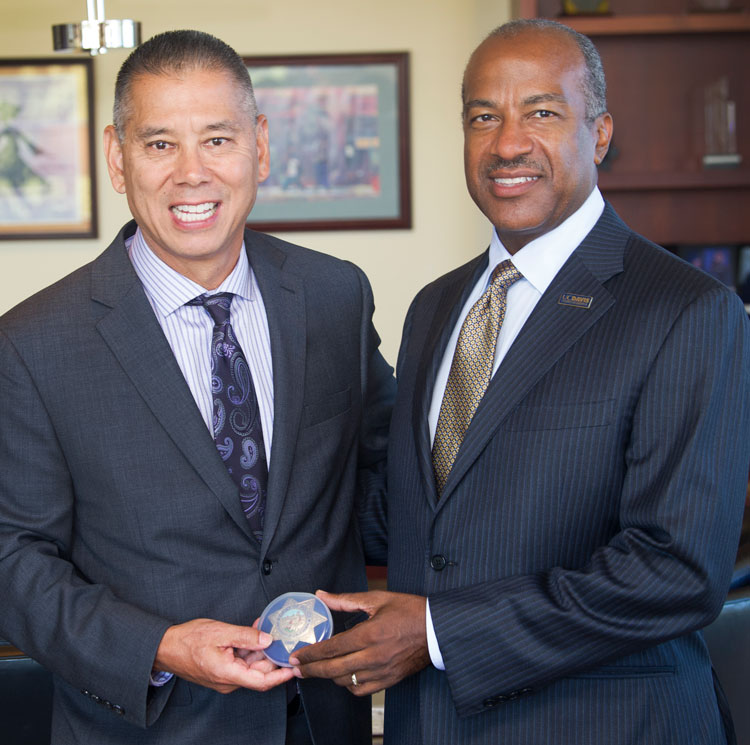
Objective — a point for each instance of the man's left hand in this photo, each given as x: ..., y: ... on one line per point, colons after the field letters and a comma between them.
x: 380, y: 651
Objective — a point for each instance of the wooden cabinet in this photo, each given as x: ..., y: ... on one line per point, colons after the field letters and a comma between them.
x: 659, y: 57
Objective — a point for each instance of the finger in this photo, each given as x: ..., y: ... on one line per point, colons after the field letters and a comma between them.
x: 349, y: 602
x: 278, y: 676
x: 347, y: 681
x: 366, y: 689
x: 258, y: 680
x: 250, y: 656
x: 263, y: 666
x: 347, y: 642
x: 323, y: 651
x: 246, y: 637
x: 336, y: 667
x: 364, y: 686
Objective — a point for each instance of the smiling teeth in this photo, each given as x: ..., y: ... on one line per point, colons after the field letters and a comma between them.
x: 514, y: 181
x: 194, y: 212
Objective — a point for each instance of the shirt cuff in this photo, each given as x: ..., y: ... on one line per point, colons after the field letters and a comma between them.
x: 432, y: 643
x: 160, y: 678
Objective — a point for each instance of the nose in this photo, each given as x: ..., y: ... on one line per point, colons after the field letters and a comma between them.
x: 511, y: 140
x: 190, y: 167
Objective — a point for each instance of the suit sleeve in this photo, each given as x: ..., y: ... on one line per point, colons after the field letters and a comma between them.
x: 378, y: 390
x: 666, y: 570
x: 78, y: 630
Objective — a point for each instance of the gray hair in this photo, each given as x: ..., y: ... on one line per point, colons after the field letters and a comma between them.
x: 176, y: 52
x: 594, y: 83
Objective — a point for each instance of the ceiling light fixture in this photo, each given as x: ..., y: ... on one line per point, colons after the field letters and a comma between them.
x: 96, y: 35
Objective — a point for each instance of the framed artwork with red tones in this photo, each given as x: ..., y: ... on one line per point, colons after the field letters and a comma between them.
x: 339, y: 141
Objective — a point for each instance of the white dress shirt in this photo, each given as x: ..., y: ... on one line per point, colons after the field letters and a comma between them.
x: 539, y: 262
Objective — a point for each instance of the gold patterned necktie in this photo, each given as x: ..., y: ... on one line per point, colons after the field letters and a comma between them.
x: 471, y: 370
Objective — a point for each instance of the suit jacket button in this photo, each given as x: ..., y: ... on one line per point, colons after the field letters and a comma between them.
x: 267, y: 566
x: 488, y: 703
x: 118, y: 709
x: 438, y: 562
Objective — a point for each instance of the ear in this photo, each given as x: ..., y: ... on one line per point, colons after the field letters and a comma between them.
x: 113, y: 155
x: 603, y: 126
x: 261, y: 142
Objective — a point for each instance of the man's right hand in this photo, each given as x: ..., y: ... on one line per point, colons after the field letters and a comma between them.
x: 219, y: 656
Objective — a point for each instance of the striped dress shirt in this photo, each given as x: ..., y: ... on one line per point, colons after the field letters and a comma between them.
x: 189, y: 329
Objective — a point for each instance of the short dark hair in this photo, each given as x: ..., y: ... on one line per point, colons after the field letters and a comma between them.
x: 594, y: 82
x: 175, y: 52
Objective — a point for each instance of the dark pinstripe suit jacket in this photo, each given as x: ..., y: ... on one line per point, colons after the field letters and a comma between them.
x: 588, y: 528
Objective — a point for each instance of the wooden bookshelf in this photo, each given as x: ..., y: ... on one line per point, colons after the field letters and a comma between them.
x: 659, y: 57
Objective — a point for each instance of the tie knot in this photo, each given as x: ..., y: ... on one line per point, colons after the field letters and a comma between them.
x: 218, y: 306
x: 505, y: 274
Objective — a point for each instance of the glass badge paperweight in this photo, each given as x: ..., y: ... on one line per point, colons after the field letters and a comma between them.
x: 294, y: 620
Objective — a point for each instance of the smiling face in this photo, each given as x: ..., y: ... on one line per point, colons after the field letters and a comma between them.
x: 190, y: 163
x: 530, y: 155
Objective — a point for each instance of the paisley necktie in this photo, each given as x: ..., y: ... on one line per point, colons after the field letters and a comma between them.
x: 236, y: 415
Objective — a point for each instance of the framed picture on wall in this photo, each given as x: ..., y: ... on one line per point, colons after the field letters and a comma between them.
x: 339, y: 141
x: 47, y: 174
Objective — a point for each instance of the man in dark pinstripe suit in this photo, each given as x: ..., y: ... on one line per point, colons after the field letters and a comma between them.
x: 554, y: 589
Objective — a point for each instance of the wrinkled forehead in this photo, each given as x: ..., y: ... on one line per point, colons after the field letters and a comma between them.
x: 197, y: 92
x: 539, y: 52
x: 181, y: 75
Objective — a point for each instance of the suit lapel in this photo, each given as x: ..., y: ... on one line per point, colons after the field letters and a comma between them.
x: 284, y: 301
x: 551, y: 330
x: 134, y: 336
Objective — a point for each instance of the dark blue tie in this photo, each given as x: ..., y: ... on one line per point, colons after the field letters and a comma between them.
x: 236, y: 415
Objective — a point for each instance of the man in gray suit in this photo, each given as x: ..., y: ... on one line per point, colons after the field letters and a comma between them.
x: 564, y: 496
x: 132, y: 564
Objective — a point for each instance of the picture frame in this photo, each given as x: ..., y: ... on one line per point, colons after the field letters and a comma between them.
x: 47, y: 166
x: 339, y: 141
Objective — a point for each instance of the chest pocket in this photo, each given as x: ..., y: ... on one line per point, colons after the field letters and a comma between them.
x: 327, y: 408
x: 575, y: 415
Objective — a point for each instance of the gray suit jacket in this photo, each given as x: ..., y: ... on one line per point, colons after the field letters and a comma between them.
x: 118, y: 517
x: 589, y: 524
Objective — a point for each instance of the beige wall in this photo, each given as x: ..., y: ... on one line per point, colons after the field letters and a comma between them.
x: 439, y: 34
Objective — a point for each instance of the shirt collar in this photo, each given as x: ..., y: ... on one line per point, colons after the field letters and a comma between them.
x: 169, y: 290
x: 541, y: 259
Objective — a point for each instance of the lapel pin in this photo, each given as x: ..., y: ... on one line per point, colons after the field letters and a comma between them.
x: 576, y: 301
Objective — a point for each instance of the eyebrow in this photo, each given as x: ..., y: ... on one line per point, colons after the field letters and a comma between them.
x: 529, y: 101
x: 146, y: 133
x: 545, y: 98
x: 478, y: 102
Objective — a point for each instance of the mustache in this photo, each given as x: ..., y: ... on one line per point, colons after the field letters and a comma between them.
x: 496, y: 163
